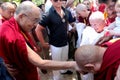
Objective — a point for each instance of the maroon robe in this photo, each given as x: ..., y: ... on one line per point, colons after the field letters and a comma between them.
x: 14, y: 52
x: 110, y: 20
x: 2, y: 19
x: 85, y: 20
x: 111, y: 61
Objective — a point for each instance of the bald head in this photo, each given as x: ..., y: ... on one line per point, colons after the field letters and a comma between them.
x: 94, y: 16
x: 88, y: 54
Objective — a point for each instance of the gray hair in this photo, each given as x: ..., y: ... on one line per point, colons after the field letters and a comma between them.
x: 6, y: 5
x: 25, y: 7
x: 81, y: 7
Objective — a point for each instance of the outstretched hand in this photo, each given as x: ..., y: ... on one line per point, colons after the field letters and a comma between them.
x: 103, y: 40
x: 76, y: 67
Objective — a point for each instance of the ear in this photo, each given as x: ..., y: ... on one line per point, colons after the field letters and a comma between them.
x: 89, y: 66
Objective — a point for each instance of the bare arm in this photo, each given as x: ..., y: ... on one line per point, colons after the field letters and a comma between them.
x: 117, y: 77
x: 39, y: 34
x: 35, y: 59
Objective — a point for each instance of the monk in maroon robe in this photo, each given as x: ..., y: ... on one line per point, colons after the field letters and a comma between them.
x: 7, y: 11
x: 103, y: 62
x: 13, y: 40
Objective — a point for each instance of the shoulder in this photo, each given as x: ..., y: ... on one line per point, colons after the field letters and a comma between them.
x: 10, y: 31
x: 88, y: 29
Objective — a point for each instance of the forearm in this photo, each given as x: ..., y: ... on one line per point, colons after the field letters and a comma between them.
x: 39, y: 33
x: 56, y: 65
x: 36, y: 60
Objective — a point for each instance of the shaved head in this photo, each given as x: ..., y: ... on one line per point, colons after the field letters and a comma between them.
x: 94, y: 16
x: 88, y: 54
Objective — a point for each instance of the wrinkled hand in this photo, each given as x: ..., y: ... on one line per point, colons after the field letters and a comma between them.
x: 11, y: 69
x: 76, y: 67
x: 109, y: 32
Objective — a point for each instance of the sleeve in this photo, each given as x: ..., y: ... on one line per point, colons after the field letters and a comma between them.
x: 85, y: 38
x: 111, y: 26
x: 45, y: 20
x: 70, y: 17
x: 18, y: 54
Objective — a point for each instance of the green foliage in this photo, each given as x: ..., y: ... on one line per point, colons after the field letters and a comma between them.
x: 38, y: 2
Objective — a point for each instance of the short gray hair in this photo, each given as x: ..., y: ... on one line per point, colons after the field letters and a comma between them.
x: 81, y: 7
x: 6, y: 5
x: 25, y: 7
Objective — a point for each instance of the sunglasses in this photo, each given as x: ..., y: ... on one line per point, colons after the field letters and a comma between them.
x: 57, y: 0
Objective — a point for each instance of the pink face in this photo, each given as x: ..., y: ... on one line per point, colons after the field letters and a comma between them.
x: 98, y: 25
x: 111, y: 9
x: 8, y: 13
x: 81, y: 13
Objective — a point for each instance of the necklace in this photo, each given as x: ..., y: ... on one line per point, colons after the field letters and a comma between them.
x: 63, y: 14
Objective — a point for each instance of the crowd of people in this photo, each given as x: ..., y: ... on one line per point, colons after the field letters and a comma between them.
x: 60, y: 36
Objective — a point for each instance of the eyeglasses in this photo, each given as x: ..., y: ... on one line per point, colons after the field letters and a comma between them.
x: 57, y: 0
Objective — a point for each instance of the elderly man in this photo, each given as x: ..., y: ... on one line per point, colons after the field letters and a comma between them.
x: 92, y: 34
x: 7, y: 11
x: 101, y: 61
x: 17, y: 49
x: 83, y: 14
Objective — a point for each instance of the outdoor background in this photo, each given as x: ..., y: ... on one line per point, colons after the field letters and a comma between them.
x: 37, y: 2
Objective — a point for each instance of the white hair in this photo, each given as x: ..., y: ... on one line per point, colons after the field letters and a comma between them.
x: 81, y: 7
x: 97, y: 15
